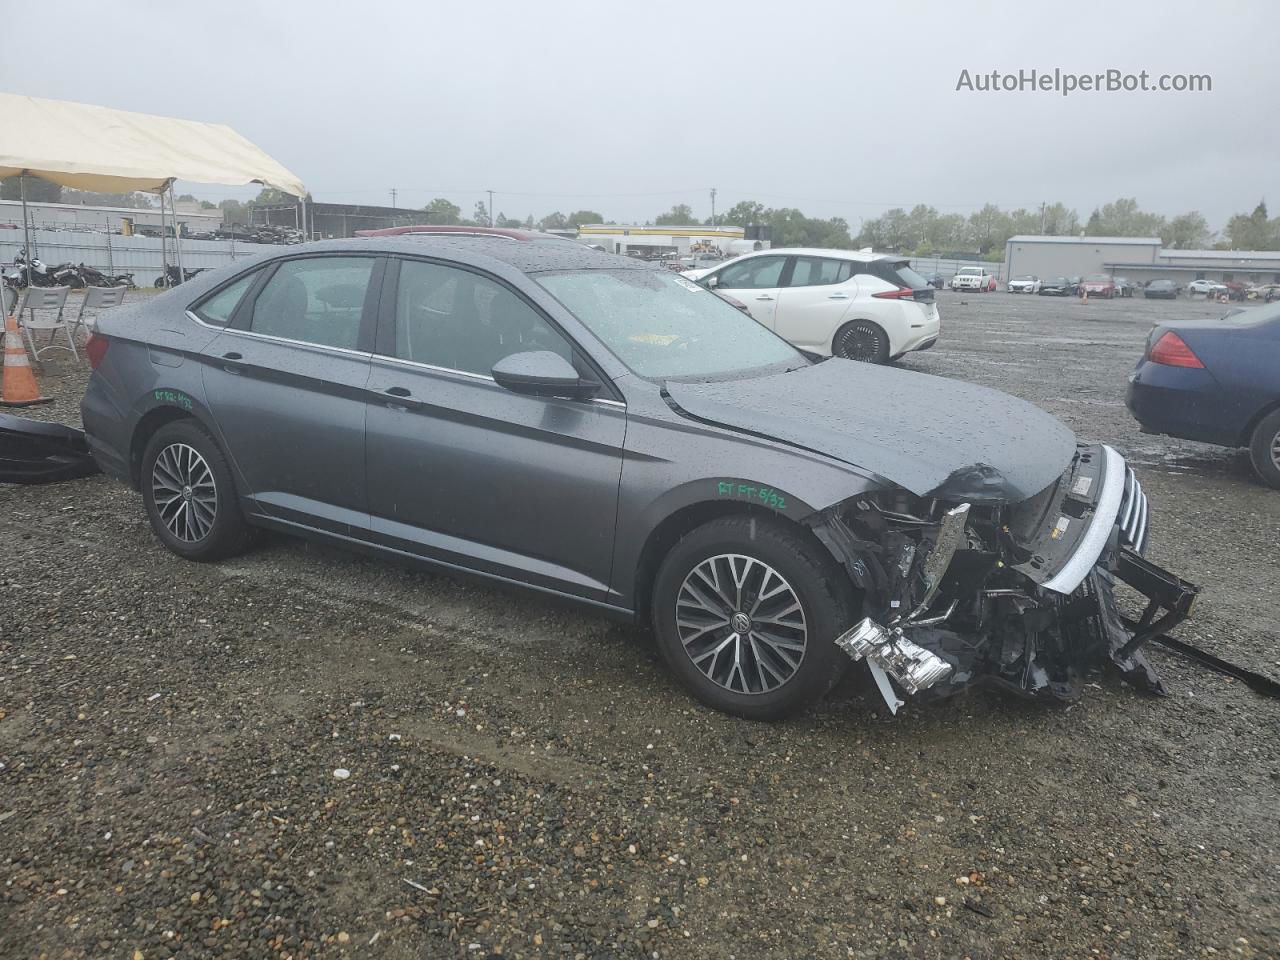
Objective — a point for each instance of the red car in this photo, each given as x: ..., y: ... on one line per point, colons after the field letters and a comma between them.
x: 1098, y: 285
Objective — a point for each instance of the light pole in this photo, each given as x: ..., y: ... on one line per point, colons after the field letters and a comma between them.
x: 490, y: 192
x: 713, y: 206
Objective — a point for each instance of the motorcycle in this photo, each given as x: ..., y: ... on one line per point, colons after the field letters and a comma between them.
x: 94, y: 277
x: 41, y: 274
x: 171, y: 277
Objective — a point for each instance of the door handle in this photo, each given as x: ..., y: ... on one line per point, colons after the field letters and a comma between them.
x: 402, y: 402
x: 764, y: 296
x: 232, y: 356
x: 231, y: 368
x: 838, y: 296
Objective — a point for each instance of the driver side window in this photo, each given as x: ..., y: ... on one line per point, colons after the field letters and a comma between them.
x: 460, y: 320
x: 757, y: 273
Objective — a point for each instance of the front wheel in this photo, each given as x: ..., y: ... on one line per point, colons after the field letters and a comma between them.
x: 862, y: 340
x: 1264, y: 449
x: 189, y: 494
x: 746, y: 612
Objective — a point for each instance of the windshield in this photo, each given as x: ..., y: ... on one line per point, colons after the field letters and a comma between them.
x: 663, y: 326
x: 970, y: 272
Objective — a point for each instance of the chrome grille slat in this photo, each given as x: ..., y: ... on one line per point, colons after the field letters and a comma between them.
x: 1126, y: 511
x: 1133, y: 516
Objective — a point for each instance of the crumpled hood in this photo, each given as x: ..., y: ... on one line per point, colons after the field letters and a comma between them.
x: 931, y: 435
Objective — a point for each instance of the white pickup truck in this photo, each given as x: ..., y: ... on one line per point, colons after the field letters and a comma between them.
x: 974, y: 278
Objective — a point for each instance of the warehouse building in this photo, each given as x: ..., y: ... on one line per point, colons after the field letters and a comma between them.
x: 674, y: 240
x: 84, y: 218
x: 1137, y: 258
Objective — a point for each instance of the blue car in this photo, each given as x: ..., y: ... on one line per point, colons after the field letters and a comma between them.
x: 1216, y: 381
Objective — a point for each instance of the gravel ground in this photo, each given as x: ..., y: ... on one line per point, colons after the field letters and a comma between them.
x: 525, y: 780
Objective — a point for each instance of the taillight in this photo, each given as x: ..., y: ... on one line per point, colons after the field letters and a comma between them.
x: 1172, y: 351
x: 902, y: 293
x: 96, y: 348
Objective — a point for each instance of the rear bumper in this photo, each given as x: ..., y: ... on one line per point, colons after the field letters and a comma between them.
x: 1180, y: 402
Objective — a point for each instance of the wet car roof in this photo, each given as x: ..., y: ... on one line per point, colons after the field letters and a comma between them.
x: 527, y: 256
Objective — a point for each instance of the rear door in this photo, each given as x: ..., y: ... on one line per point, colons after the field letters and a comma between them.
x: 756, y: 281
x: 285, y: 383
x: 817, y: 296
x: 463, y: 471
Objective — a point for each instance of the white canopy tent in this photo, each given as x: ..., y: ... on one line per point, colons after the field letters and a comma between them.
x: 116, y: 151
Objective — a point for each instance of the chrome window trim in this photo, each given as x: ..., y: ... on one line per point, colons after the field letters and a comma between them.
x: 467, y: 373
x: 1091, y: 545
x: 273, y: 339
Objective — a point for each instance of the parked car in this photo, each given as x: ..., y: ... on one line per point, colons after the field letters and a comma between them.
x: 1057, y: 287
x: 861, y: 306
x: 1026, y: 284
x: 936, y: 280
x: 1210, y: 287
x: 974, y: 278
x: 1236, y: 290
x: 1216, y: 381
x: 605, y: 431
x: 1124, y: 287
x: 1098, y: 285
x: 1160, y: 290
x: 1265, y: 292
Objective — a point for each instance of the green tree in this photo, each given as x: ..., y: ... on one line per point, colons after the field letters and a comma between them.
x: 678, y: 215
x: 233, y: 211
x: 39, y: 190
x: 272, y: 196
x: 509, y: 223
x: 579, y: 217
x: 480, y: 217
x: 742, y: 214
x: 208, y: 205
x: 553, y: 221
x: 1123, y: 218
x: 442, y: 211
x: 1187, y: 231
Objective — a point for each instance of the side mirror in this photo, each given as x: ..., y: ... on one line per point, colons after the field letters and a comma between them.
x: 711, y: 282
x: 541, y: 373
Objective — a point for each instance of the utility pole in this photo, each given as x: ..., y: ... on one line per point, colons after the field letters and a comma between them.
x: 713, y: 206
x: 1042, y: 218
x: 490, y: 192
x: 393, y: 196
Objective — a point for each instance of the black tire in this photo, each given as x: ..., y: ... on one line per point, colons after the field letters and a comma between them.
x: 1264, y: 449
x: 862, y: 340
x: 192, y: 529
x: 827, y: 603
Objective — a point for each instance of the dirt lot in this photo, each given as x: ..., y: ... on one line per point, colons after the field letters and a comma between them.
x: 526, y: 780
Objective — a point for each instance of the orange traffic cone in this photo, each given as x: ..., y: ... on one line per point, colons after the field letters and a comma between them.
x: 1084, y: 295
x: 19, y: 387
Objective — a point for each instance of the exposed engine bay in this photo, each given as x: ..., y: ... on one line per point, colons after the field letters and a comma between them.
x: 1020, y: 596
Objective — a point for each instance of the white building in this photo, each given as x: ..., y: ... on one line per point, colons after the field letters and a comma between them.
x: 1136, y: 258
x: 680, y: 241
x: 93, y: 219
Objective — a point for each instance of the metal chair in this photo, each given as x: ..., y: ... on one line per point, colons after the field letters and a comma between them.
x: 51, y: 300
x: 95, y: 300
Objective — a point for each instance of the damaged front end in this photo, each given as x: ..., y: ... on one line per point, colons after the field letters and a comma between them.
x: 981, y: 591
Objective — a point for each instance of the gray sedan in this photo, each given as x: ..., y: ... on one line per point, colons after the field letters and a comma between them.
x: 536, y: 412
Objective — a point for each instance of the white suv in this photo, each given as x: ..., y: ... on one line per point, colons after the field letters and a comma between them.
x: 862, y: 306
x: 973, y: 278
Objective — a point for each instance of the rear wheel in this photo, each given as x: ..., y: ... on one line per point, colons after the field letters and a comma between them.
x: 1264, y: 449
x: 862, y: 340
x: 746, y: 612
x: 189, y: 494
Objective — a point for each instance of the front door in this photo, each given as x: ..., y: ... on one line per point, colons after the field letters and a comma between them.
x: 465, y: 472
x: 755, y: 281
x: 285, y: 383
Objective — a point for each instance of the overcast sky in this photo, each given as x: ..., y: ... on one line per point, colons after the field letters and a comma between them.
x: 841, y: 109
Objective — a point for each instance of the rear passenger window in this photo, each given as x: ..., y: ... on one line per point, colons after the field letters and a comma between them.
x: 820, y: 272
x: 219, y: 308
x: 461, y: 320
x: 318, y: 300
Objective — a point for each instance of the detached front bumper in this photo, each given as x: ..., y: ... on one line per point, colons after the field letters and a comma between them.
x: 1027, y: 600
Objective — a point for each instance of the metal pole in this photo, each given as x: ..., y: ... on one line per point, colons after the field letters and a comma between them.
x: 164, y: 246
x: 26, y: 233
x: 177, y: 233
x: 713, y: 207
x: 111, y: 268
x: 490, y: 208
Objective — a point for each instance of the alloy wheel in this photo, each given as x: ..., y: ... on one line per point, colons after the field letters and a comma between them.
x: 862, y: 341
x: 741, y: 624
x: 184, y: 491
x: 1275, y: 450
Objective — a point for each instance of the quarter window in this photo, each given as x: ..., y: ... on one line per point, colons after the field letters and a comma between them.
x: 461, y: 320
x: 756, y: 273
x: 317, y: 300
x: 219, y: 308
x: 820, y: 272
